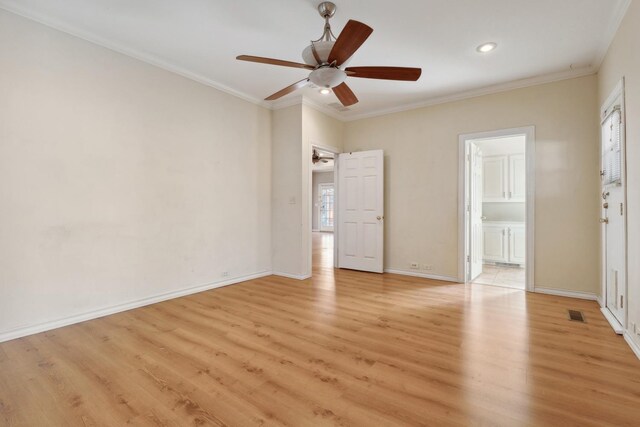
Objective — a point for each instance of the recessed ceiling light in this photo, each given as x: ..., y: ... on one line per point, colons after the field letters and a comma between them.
x: 487, y: 47
x: 325, y: 91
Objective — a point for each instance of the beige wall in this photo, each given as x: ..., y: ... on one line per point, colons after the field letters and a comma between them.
x: 321, y: 129
x: 286, y: 195
x: 119, y: 181
x: 421, y: 177
x: 623, y: 60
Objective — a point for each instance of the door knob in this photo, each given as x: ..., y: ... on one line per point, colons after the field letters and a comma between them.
x: 604, y: 220
x: 379, y: 217
x: 605, y: 205
x: 605, y: 194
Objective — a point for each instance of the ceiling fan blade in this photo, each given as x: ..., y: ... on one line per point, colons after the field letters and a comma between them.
x: 272, y: 61
x: 345, y: 94
x: 302, y: 83
x: 385, y: 73
x: 350, y: 39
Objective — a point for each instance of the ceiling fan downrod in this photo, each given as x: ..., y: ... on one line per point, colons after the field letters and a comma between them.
x: 326, y: 9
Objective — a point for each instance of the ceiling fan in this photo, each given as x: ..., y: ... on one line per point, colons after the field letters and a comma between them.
x: 317, y: 157
x: 326, y: 56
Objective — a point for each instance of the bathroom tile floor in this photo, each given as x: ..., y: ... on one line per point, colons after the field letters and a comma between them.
x: 499, y: 275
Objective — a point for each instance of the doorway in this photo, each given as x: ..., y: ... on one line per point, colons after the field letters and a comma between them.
x: 352, y: 235
x: 323, y: 208
x: 613, y: 217
x: 496, y: 204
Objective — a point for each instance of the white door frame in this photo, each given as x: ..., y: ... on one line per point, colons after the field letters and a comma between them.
x: 336, y: 229
x: 320, y: 186
x: 529, y: 133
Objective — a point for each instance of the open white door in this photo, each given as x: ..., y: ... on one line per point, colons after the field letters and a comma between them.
x: 361, y: 210
x: 476, y: 234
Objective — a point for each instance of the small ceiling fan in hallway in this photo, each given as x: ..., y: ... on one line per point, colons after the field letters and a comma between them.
x: 326, y: 56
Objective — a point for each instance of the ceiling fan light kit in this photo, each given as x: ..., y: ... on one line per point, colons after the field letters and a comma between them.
x: 327, y: 77
x: 326, y: 57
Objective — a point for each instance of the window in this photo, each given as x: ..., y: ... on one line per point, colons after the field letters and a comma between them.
x: 326, y: 206
x: 612, y: 147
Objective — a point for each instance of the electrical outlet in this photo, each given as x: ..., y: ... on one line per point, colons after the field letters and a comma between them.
x: 415, y: 266
x: 225, y: 274
x: 427, y: 267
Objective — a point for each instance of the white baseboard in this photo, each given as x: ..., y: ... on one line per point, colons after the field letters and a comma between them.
x: 634, y: 345
x: 600, y: 301
x: 565, y: 293
x: 615, y: 325
x: 422, y: 275
x: 94, y: 314
x: 292, y: 276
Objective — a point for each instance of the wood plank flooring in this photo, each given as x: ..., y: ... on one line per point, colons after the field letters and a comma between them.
x: 346, y: 348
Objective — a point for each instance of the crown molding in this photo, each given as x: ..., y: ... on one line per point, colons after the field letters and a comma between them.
x: 149, y: 59
x: 286, y: 102
x: 474, y: 93
x: 610, y: 34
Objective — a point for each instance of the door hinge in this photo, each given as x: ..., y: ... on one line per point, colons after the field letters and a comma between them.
x: 621, y: 301
x: 621, y: 209
x: 468, y: 258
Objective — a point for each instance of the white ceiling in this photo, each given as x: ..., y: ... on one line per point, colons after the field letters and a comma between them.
x: 538, y: 40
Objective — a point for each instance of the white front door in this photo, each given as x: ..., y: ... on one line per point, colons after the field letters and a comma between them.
x: 361, y: 210
x: 326, y: 207
x: 614, y: 213
x: 475, y: 211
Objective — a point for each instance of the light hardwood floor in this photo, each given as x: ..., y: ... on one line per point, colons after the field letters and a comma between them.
x: 346, y: 348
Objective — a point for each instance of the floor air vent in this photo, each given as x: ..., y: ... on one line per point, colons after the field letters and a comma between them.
x: 576, y: 316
